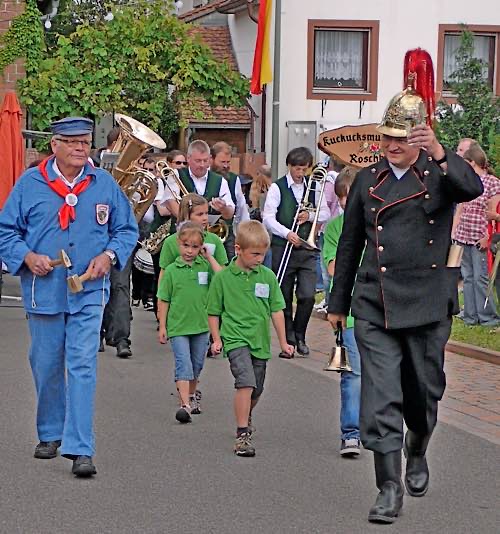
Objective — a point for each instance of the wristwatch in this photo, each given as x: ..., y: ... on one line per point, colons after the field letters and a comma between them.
x: 111, y: 255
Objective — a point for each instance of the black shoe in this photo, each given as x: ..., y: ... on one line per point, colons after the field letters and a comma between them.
x: 101, y: 346
x: 111, y: 342
x: 285, y: 355
x: 123, y: 349
x: 47, y: 450
x: 183, y: 414
x: 83, y: 467
x: 390, y: 499
x: 302, y: 348
x: 135, y: 303
x: 417, y: 471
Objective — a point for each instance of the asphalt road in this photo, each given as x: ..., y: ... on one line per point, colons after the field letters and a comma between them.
x: 157, y: 476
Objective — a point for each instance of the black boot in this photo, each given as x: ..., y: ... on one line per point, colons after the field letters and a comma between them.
x: 390, y: 499
x: 417, y: 471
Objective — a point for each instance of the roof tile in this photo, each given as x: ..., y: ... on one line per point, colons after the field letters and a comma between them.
x: 218, y: 39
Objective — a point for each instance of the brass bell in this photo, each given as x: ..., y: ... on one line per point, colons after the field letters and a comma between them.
x: 339, y: 358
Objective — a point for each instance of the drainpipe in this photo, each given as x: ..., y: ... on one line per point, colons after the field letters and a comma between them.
x: 275, y: 164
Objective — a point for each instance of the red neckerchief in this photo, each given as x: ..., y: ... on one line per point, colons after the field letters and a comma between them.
x: 67, y: 211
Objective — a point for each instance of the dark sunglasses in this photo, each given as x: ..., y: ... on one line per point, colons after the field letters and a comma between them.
x: 180, y: 162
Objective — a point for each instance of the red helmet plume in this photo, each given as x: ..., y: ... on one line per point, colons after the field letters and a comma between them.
x: 419, y: 74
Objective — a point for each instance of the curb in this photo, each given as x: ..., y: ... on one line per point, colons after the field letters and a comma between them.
x: 471, y: 351
x: 463, y: 349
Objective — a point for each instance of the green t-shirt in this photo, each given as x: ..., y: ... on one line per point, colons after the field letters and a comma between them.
x: 170, y: 249
x: 331, y: 237
x: 245, y: 302
x: 185, y: 287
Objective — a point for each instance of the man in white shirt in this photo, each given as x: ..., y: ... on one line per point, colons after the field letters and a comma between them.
x: 221, y: 163
x: 283, y: 199
x: 197, y: 178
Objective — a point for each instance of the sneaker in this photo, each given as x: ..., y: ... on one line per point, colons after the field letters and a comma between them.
x: 350, y: 447
x: 183, y: 414
x: 243, y: 445
x: 46, y: 450
x: 83, y: 467
x: 198, y: 395
x: 195, y: 405
x: 320, y: 305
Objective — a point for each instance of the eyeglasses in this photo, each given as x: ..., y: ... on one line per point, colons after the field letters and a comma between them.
x: 180, y: 162
x: 73, y: 143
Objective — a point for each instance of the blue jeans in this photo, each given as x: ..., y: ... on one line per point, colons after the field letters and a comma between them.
x: 189, y: 354
x: 350, y: 389
x: 474, y: 269
x: 63, y: 358
x: 327, y: 279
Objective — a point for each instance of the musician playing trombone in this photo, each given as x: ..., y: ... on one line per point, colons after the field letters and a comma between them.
x: 198, y: 178
x: 285, y: 205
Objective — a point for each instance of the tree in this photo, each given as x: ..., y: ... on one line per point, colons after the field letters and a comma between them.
x: 477, y: 111
x: 129, y: 65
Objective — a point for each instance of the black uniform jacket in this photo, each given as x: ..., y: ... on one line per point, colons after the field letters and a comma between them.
x: 403, y: 280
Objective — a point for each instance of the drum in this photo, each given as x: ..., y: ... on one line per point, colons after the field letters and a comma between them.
x: 143, y: 261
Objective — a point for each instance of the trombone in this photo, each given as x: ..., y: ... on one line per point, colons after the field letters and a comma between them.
x: 166, y: 172
x: 318, y: 176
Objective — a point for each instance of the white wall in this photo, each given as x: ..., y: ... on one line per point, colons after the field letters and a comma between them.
x: 403, y: 26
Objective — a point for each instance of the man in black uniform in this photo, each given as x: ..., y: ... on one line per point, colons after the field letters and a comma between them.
x: 400, y: 212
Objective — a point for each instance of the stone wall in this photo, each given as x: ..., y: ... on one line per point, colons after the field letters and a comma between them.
x: 8, y: 11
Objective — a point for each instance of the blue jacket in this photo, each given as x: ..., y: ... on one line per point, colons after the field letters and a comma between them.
x: 29, y: 222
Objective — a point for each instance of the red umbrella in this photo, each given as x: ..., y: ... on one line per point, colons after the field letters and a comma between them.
x: 11, y: 145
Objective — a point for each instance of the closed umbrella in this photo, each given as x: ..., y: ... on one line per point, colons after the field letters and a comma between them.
x: 11, y: 145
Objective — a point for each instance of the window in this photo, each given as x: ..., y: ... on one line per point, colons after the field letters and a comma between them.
x: 342, y: 60
x: 486, y: 48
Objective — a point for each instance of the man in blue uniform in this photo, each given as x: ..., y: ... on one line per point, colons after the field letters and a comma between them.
x: 65, y: 203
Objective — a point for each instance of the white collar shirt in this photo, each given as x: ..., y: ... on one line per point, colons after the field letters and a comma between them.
x: 273, y: 201
x: 63, y: 178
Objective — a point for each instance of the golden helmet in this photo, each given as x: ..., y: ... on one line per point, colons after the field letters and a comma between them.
x: 415, y: 104
x: 405, y: 110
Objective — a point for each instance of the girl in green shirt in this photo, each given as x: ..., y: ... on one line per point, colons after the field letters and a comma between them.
x: 182, y: 301
x: 193, y: 208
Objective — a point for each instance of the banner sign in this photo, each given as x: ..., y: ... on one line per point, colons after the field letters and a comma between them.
x: 358, y: 146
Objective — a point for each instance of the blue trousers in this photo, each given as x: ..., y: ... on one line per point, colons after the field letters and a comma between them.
x: 475, y: 274
x: 63, y: 358
x: 189, y: 354
x: 350, y: 389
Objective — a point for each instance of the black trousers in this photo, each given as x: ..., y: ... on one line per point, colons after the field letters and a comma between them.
x: 117, y: 313
x: 229, y: 244
x: 402, y: 377
x: 157, y: 268
x: 300, y: 275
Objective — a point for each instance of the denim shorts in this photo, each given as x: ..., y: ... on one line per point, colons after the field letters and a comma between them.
x: 248, y: 371
x: 189, y: 354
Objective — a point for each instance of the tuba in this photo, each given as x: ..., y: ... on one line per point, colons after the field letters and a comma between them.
x: 139, y: 186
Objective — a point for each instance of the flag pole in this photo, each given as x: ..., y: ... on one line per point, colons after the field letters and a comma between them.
x: 275, y: 164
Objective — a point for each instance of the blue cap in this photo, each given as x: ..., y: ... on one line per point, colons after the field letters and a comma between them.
x: 72, y: 126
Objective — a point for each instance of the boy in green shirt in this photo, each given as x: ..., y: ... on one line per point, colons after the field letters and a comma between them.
x: 245, y: 295
x: 350, y: 382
